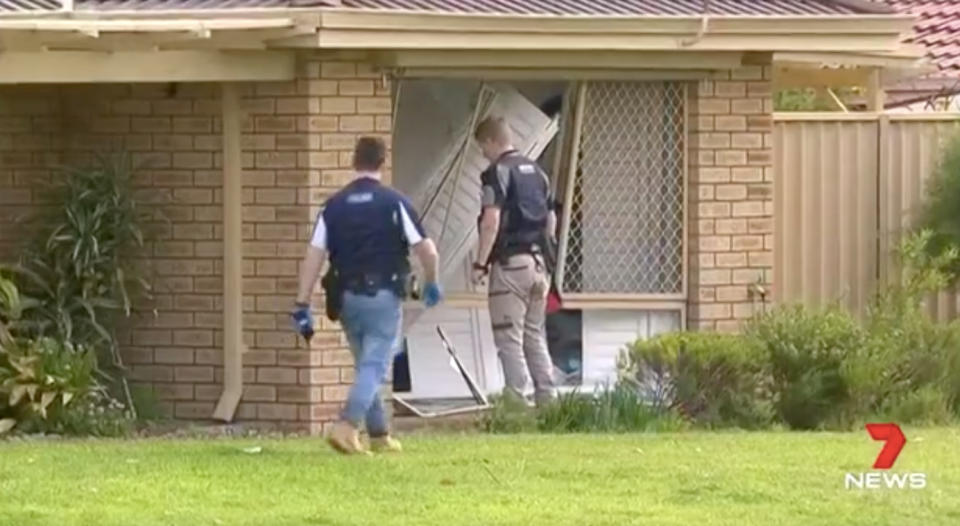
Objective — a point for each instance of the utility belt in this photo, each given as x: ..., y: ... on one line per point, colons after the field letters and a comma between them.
x: 335, y: 283
x: 543, y: 252
x: 371, y: 283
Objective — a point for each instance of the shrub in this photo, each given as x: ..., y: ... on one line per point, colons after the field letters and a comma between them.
x: 79, y: 271
x: 618, y: 409
x: 928, y: 405
x: 146, y: 403
x: 939, y: 213
x: 806, y: 351
x: 907, y: 352
x: 509, y: 414
x: 713, y: 379
x: 47, y: 386
x: 10, y: 308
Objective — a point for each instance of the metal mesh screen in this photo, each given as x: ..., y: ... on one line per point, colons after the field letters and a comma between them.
x: 626, y: 213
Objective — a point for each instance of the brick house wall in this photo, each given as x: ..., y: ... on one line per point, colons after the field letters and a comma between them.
x: 30, y: 147
x: 730, y: 197
x: 298, y: 139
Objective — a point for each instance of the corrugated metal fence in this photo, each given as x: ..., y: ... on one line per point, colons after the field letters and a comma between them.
x: 847, y: 185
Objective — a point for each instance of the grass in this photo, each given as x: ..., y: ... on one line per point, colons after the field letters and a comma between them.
x: 735, y: 478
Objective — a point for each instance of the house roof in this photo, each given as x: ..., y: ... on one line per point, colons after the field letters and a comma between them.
x: 937, y: 29
x: 512, y: 7
x: 614, y: 7
x: 16, y: 6
x: 167, y: 5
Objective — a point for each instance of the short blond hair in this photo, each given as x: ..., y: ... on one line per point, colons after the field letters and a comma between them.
x: 492, y: 128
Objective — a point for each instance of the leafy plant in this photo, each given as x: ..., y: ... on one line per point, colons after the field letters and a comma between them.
x: 608, y: 410
x: 80, y: 270
x: 509, y: 414
x: 44, y: 382
x: 10, y: 308
x: 938, y: 215
x: 927, y: 405
x: 806, y: 350
x: 712, y: 379
x: 907, y: 352
x: 617, y: 409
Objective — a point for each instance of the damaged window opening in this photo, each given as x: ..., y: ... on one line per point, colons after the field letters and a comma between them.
x: 624, y: 215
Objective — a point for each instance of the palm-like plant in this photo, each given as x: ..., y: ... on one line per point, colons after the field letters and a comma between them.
x: 80, y: 271
x: 10, y: 309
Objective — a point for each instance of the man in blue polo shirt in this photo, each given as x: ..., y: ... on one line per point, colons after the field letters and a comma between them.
x: 367, y: 229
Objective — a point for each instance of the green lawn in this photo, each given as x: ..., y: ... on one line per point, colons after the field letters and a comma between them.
x: 731, y: 478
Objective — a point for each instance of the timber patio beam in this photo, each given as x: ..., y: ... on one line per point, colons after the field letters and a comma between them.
x: 359, y: 29
x: 612, y: 60
x: 62, y: 67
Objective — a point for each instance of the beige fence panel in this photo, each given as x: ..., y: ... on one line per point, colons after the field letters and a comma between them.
x: 848, y: 186
x: 826, y: 210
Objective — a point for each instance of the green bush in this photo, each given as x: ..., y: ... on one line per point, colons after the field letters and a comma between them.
x: 806, y: 351
x: 47, y: 386
x: 939, y: 214
x: 79, y: 271
x: 80, y: 268
x: 618, y: 409
x: 713, y: 379
x: 10, y: 308
x: 509, y: 414
x: 147, y: 405
x: 928, y: 405
x: 907, y: 351
x: 795, y: 366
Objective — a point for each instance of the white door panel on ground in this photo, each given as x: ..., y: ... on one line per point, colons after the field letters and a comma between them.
x: 431, y: 374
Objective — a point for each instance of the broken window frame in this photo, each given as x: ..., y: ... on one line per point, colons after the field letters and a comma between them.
x: 565, y: 172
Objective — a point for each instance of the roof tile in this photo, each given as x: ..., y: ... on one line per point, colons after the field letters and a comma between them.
x: 530, y: 7
x: 611, y: 7
x: 937, y: 28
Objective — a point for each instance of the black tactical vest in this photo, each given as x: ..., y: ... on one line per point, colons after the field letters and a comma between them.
x: 526, y: 207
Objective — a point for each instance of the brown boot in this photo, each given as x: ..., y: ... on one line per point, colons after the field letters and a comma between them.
x: 345, y: 438
x: 385, y: 444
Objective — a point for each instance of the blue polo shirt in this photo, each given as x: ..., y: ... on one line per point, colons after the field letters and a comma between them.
x: 368, y: 228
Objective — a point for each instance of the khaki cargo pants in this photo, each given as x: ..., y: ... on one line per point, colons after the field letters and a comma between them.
x: 518, y: 303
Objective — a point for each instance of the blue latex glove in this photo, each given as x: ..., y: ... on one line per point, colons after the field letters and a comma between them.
x: 432, y: 295
x: 303, y: 320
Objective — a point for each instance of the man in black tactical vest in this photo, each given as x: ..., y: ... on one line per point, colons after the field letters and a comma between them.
x: 516, y: 228
x: 367, y: 228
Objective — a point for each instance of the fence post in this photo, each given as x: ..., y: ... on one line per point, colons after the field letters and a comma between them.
x: 883, y: 264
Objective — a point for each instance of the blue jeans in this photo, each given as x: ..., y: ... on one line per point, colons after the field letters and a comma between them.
x: 372, y: 325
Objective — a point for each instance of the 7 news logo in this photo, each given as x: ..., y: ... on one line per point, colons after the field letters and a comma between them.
x: 894, y: 440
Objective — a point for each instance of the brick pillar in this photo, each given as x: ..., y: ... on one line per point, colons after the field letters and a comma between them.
x: 347, y: 99
x: 731, y: 196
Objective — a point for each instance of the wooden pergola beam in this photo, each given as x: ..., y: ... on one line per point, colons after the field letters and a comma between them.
x: 61, y: 67
x: 818, y: 77
x: 482, y: 59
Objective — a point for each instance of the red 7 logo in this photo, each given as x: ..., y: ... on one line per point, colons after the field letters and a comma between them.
x: 893, y: 436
